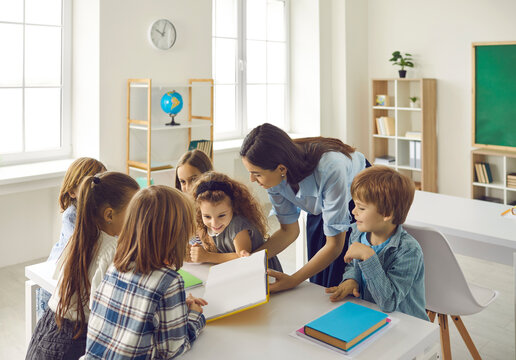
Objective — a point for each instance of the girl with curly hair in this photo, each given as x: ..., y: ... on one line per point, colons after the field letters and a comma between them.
x: 228, y: 213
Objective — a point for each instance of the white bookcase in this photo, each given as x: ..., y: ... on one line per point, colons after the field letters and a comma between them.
x: 407, y: 119
x: 500, y: 163
x: 153, y: 146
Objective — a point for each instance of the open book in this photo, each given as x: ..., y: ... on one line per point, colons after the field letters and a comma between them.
x: 236, y: 285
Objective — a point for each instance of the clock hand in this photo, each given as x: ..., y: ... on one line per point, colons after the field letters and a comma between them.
x: 164, y: 27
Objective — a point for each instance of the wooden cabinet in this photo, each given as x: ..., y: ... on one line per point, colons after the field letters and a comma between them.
x: 404, y: 132
x: 153, y: 146
x: 501, y: 165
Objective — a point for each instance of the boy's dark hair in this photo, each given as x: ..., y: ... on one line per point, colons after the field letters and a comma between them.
x: 390, y: 191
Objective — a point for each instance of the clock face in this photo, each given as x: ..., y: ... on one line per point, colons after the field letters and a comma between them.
x: 162, y: 34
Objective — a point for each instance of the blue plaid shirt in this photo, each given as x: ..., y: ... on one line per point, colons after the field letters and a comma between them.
x: 136, y: 316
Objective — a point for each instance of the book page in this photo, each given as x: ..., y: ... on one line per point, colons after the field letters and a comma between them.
x: 236, y: 285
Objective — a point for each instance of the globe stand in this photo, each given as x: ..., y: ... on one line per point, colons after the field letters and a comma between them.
x: 172, y: 120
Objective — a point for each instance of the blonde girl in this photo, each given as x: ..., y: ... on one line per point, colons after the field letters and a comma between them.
x: 192, y: 164
x: 228, y: 213
x: 102, y: 200
x: 140, y: 310
x: 76, y: 172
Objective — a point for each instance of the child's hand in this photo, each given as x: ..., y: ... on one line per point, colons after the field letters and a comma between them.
x: 198, y: 254
x: 283, y: 281
x: 358, y: 251
x: 194, y: 303
x: 344, y: 289
x: 244, y: 253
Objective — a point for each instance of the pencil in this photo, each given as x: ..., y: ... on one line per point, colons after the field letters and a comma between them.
x: 506, y: 211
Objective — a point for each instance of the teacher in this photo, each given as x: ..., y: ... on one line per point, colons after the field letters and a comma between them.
x: 311, y: 174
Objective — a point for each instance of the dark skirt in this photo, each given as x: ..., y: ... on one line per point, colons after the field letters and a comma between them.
x: 49, y: 342
x: 315, y: 240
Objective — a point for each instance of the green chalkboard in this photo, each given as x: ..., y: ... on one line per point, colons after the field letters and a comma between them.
x: 495, y: 95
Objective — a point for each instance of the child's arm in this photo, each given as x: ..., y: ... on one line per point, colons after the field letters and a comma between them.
x: 178, y: 326
x: 389, y: 288
x: 242, y: 242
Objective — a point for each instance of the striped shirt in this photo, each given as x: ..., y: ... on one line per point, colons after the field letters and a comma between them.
x: 137, y: 316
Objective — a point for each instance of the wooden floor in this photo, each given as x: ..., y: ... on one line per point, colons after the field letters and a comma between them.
x: 492, y: 330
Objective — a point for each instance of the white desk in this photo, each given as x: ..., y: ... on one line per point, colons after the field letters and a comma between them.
x: 473, y: 227
x: 263, y: 332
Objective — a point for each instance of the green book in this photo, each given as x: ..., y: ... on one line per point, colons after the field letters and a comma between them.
x: 189, y: 279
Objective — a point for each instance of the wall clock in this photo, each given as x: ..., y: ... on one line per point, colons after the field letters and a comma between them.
x: 162, y: 34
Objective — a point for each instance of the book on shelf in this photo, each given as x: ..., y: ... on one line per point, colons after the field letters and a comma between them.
x: 190, y: 280
x: 346, y: 325
x: 236, y: 285
x: 483, y: 172
x: 385, y: 125
x: 203, y: 145
x: 487, y: 171
x: 413, y: 135
x: 385, y: 160
x: 479, y: 173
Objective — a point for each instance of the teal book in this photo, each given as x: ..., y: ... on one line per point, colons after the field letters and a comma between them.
x: 346, y: 326
x: 488, y: 172
x: 189, y: 279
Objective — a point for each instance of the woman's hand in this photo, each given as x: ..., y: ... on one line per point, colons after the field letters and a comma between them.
x: 283, y: 281
x: 198, y: 254
x: 345, y: 288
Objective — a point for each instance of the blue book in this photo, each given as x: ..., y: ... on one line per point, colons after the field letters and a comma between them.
x: 346, y: 326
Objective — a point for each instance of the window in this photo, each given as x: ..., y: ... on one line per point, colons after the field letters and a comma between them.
x: 250, y: 47
x: 34, y: 80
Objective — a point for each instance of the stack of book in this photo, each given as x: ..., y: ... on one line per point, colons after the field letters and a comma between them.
x: 511, y: 180
x: 385, y: 160
x: 203, y: 145
x: 483, y: 172
x: 413, y: 135
x: 346, y: 325
x: 385, y: 126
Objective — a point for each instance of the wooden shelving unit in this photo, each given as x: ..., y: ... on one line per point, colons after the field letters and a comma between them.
x: 421, y: 118
x: 146, y: 163
x: 501, y: 163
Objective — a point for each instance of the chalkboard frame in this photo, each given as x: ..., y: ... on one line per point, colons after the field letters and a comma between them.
x: 474, y: 97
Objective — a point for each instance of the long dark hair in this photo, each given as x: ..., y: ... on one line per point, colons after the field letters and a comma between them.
x: 111, y: 189
x: 267, y: 146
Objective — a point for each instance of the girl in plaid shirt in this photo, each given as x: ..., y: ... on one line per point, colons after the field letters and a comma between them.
x: 140, y: 310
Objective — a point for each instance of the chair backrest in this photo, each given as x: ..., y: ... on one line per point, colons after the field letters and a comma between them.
x: 446, y: 289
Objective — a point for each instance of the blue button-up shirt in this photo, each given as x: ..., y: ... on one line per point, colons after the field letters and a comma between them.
x: 326, y: 191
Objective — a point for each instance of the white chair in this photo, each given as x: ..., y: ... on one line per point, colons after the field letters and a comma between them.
x: 446, y: 289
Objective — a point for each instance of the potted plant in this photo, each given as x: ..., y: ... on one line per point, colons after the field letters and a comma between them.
x: 402, y: 61
x: 413, y: 101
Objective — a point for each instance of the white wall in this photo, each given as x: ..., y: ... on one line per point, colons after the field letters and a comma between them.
x: 439, y: 35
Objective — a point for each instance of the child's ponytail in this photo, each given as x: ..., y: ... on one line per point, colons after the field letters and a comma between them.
x: 96, y: 193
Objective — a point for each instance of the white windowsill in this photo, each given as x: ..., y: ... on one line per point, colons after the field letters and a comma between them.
x: 34, y: 176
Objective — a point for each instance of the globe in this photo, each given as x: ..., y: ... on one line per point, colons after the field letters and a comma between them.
x: 172, y: 104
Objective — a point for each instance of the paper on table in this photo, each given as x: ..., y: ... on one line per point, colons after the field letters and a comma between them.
x: 236, y: 285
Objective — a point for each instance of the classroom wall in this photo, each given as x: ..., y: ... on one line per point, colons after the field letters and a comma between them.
x: 439, y: 35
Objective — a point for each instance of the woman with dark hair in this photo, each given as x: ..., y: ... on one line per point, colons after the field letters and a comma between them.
x: 311, y: 174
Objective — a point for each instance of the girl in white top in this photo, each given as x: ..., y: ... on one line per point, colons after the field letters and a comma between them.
x: 102, y: 200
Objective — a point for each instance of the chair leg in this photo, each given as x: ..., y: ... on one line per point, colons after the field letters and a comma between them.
x: 445, y: 337
x: 431, y: 315
x: 465, y: 336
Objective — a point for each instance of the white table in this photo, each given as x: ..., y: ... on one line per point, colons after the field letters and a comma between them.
x: 263, y: 332
x: 473, y: 227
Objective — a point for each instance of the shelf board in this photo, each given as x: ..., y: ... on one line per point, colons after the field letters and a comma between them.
x: 184, y: 125
x: 490, y: 185
x: 155, y: 165
x: 384, y: 136
x: 406, y: 167
x: 407, y: 138
x: 173, y: 85
x: 409, y: 109
x: 511, y: 189
x: 384, y: 107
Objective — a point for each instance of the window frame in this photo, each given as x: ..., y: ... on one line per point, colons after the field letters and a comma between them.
x: 241, y: 73
x: 65, y: 150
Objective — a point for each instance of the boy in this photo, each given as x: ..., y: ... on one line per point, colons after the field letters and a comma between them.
x: 385, y: 263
